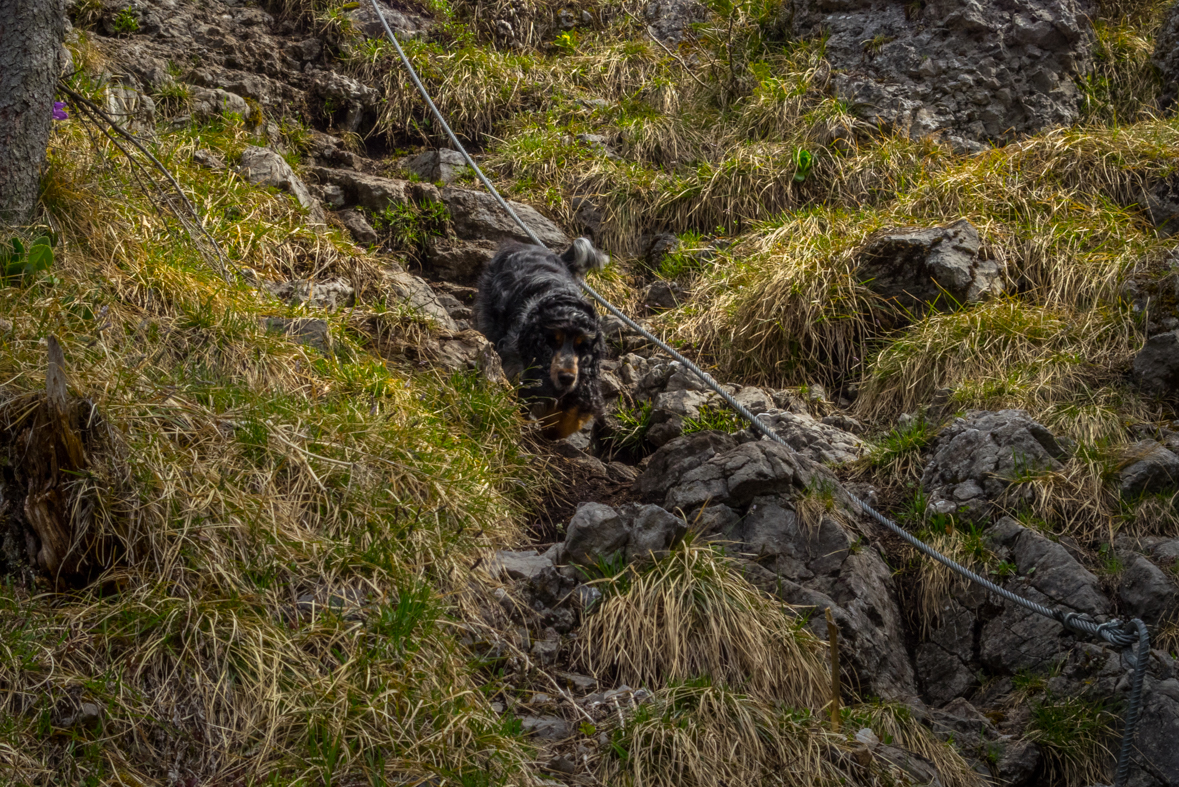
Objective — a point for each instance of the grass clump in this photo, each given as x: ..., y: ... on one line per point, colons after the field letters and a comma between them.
x: 700, y: 734
x: 1073, y: 733
x: 1063, y: 366
x: 719, y: 418
x: 692, y: 614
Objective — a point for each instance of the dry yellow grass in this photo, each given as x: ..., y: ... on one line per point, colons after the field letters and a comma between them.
x: 283, y: 532
x: 692, y: 614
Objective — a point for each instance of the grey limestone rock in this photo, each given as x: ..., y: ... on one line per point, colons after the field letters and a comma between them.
x: 329, y: 295
x: 944, y: 661
x: 405, y: 23
x: 524, y: 564
x: 634, y: 531
x: 477, y: 216
x: 1146, y: 592
x: 339, y: 95
x: 457, y: 260
x: 264, y: 167
x: 975, y: 458
x: 670, y: 411
x: 374, y: 192
x: 595, y: 531
x: 1148, y: 468
x: 819, y: 441
x: 669, y: 20
x: 1156, y: 367
x: 968, y: 70
x: 919, y: 268
x: 1157, y: 757
x: 709, y: 468
x: 358, y: 227
x: 443, y: 165
x: 406, y: 288
x: 213, y: 103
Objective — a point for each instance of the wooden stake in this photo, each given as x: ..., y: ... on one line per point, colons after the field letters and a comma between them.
x: 833, y: 647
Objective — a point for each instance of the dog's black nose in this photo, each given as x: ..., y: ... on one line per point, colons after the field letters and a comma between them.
x: 566, y: 379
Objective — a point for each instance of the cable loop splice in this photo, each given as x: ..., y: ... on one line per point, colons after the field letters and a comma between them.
x: 1073, y: 621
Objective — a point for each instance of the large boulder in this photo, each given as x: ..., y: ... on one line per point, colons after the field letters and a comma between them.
x: 919, y: 268
x: 264, y: 167
x: 477, y: 216
x: 705, y: 468
x: 977, y: 457
x: 817, y: 566
x: 970, y: 71
x: 1166, y: 59
x: 443, y: 165
x: 598, y: 532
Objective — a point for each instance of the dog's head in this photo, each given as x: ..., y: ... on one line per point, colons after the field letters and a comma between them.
x: 564, y: 344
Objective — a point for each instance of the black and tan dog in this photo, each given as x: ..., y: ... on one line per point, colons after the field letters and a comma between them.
x: 531, y: 308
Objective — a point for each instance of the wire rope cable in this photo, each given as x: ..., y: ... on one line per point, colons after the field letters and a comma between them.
x: 1116, y: 632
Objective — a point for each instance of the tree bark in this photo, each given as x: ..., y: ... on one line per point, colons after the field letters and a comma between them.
x: 31, y: 32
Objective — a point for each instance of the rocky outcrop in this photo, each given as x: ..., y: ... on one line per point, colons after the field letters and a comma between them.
x: 1166, y: 59
x: 817, y: 440
x: 979, y: 455
x: 476, y: 214
x: 599, y: 533
x: 264, y: 167
x: 969, y: 71
x: 939, y: 267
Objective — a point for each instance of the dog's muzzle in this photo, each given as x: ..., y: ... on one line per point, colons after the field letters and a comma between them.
x: 563, y: 371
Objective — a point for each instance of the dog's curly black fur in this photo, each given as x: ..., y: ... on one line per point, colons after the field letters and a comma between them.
x: 548, y: 336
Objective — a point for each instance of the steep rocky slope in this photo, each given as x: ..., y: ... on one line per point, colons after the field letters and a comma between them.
x: 309, y: 539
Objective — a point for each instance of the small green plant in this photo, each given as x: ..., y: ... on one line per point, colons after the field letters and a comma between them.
x: 1111, y: 563
x: 126, y: 22
x: 720, y: 419
x: 634, y: 423
x: 803, y: 161
x: 1004, y: 569
x: 566, y: 42
x: 408, y: 226
x: 20, y: 264
x: 873, y: 45
x: 686, y: 259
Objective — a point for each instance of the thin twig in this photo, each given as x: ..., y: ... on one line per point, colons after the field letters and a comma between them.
x: 127, y: 135
x: 676, y: 57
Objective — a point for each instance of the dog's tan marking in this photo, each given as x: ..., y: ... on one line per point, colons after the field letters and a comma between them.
x: 559, y: 424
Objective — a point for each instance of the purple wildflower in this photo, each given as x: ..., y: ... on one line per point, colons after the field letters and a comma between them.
x: 59, y: 112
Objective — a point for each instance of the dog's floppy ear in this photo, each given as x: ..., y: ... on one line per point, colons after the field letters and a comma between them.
x: 581, y: 257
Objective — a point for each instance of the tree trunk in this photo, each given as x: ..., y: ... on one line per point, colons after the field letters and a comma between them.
x: 31, y: 32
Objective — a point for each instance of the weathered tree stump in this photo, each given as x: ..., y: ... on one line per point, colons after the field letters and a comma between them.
x: 48, y: 455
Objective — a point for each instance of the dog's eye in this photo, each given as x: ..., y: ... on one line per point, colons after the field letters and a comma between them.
x: 580, y: 340
x: 556, y: 339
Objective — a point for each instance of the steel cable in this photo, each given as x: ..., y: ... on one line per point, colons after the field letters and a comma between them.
x: 1115, y: 632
